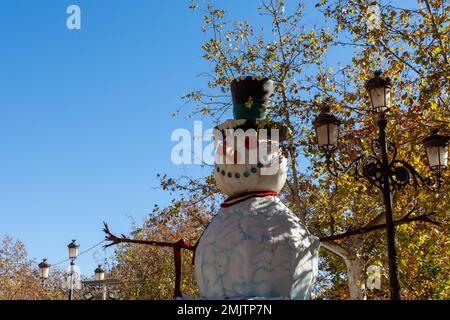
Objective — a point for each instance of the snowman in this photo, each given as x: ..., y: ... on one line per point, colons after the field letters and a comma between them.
x: 255, y: 247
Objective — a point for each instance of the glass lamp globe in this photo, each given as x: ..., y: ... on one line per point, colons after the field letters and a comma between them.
x: 73, y: 249
x: 436, y: 148
x: 99, y: 273
x: 327, y: 129
x: 44, y: 269
x: 379, y: 90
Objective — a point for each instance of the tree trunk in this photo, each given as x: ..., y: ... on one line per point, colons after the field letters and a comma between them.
x: 356, y: 268
x: 354, y: 262
x: 356, y: 278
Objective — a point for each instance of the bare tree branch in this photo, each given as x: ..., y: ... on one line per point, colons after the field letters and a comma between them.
x: 406, y: 219
x: 176, y: 246
x: 336, y: 249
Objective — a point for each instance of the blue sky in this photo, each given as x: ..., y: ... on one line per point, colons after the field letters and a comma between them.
x: 85, y: 114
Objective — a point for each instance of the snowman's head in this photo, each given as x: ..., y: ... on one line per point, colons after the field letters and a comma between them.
x: 247, y: 162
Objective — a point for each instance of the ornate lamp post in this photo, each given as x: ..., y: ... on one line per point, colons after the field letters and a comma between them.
x: 100, y: 284
x: 381, y: 168
x: 73, y: 253
x: 100, y: 276
x: 44, y: 272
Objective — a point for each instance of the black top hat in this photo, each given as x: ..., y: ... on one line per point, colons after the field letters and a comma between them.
x: 252, y: 96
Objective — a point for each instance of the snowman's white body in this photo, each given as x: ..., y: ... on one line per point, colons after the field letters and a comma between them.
x: 255, y: 246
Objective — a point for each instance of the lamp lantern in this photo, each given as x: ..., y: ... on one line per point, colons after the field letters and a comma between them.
x: 44, y: 269
x: 327, y: 129
x: 73, y: 249
x: 99, y: 273
x: 436, y: 148
x: 379, y: 90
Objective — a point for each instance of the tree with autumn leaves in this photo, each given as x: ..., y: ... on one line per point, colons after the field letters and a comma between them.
x: 19, y: 275
x: 411, y: 45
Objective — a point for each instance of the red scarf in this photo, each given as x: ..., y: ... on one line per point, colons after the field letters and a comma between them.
x: 245, y: 196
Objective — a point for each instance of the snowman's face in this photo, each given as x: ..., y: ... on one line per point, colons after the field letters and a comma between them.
x: 245, y: 163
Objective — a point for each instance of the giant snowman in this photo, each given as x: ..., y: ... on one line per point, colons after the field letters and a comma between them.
x: 255, y: 247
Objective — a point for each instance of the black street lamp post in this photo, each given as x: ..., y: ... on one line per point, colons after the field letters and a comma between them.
x: 100, y: 276
x: 390, y: 227
x: 381, y: 168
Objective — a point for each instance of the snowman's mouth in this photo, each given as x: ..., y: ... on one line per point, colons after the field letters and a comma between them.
x: 234, y: 174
